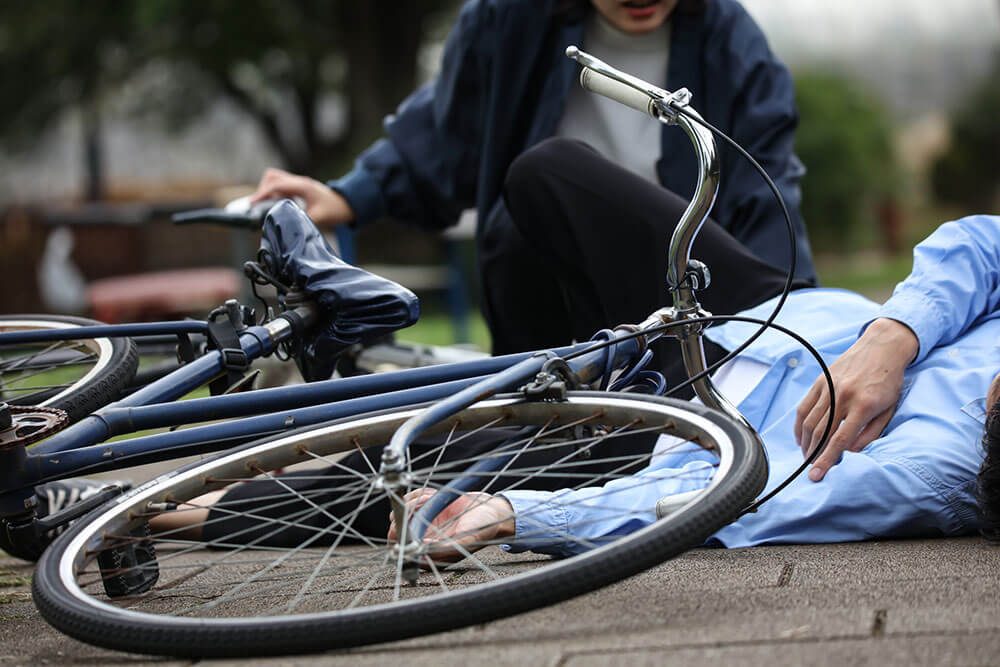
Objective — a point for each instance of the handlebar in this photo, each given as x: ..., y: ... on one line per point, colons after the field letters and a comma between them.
x: 239, y: 213
x: 671, y: 108
x: 217, y: 216
x: 620, y: 92
x: 599, y: 77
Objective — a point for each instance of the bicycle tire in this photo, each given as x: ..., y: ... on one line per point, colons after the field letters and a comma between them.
x: 76, y: 376
x: 70, y: 598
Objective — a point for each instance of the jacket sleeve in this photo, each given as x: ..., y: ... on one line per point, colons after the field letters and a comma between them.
x: 762, y: 119
x: 955, y: 280
x: 424, y: 170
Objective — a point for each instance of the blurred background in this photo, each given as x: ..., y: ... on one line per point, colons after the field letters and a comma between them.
x: 120, y: 112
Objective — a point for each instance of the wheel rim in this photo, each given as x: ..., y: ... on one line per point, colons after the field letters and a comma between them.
x: 77, y: 573
x: 51, y: 371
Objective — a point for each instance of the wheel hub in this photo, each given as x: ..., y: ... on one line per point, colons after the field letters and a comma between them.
x: 24, y: 425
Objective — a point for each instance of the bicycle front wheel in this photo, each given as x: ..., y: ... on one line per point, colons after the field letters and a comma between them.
x: 291, y: 568
x: 78, y: 376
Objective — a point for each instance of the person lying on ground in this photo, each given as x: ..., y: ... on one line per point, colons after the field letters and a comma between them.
x: 918, y: 404
x: 930, y: 350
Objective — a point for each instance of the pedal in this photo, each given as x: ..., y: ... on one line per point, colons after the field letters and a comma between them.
x: 130, y: 568
x: 28, y: 537
x: 53, y: 522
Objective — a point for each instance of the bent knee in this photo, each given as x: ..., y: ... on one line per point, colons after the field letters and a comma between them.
x: 551, y: 156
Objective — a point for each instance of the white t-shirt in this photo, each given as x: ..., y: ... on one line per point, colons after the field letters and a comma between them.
x: 734, y: 380
x: 623, y: 135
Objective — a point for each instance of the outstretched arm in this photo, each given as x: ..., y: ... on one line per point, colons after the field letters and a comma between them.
x: 565, y: 522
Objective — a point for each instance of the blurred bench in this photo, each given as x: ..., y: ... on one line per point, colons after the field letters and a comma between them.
x: 161, y: 294
x: 120, y: 241
x: 121, y: 288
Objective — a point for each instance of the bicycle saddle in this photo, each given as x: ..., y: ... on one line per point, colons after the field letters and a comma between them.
x: 355, y: 305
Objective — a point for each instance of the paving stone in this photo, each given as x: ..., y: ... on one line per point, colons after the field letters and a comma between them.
x: 962, y: 649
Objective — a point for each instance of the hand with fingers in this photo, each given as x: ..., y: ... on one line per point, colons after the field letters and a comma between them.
x: 868, y: 380
x: 326, y: 207
x: 469, y: 523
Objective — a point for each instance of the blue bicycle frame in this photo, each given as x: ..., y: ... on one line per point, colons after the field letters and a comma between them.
x: 79, y: 450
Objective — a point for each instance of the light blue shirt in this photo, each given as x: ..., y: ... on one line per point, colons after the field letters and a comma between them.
x: 917, y: 479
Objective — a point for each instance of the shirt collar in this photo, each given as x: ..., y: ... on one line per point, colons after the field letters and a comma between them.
x: 976, y: 409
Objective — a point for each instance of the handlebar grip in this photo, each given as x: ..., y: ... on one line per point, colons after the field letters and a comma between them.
x: 217, y: 216
x: 619, y: 92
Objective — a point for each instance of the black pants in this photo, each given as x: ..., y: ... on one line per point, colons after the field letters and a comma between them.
x: 584, y: 247
x: 272, y: 500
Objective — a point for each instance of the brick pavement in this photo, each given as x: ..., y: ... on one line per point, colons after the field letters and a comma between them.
x: 919, y: 602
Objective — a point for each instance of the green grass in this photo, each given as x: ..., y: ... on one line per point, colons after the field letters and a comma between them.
x: 870, y: 274
x: 435, y: 328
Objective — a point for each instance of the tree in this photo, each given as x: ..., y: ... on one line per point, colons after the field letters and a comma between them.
x: 966, y: 175
x: 56, y: 55
x: 277, y: 59
x: 845, y: 141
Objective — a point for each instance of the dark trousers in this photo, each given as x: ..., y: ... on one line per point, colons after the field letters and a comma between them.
x: 268, y: 499
x: 581, y: 245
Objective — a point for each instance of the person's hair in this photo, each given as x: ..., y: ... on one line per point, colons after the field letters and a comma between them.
x: 988, y: 479
x: 575, y: 10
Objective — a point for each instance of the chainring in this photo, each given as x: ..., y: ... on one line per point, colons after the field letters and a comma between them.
x: 30, y: 424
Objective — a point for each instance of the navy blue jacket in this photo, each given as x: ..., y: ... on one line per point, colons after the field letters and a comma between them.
x: 502, y: 88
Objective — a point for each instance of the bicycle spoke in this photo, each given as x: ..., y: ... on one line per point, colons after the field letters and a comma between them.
x: 437, y: 574
x: 24, y: 364
x: 329, y: 552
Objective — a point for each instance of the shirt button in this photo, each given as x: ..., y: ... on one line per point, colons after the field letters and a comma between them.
x: 793, y: 362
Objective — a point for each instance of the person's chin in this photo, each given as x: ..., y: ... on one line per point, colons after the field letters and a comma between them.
x: 639, y: 17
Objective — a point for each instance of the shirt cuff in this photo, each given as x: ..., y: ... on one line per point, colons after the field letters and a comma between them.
x: 362, y: 193
x: 917, y: 312
x: 540, y: 526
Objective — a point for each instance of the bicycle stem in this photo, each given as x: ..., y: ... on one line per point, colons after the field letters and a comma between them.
x: 665, y: 106
x: 679, y: 254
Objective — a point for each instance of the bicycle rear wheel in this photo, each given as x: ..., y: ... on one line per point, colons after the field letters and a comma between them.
x: 338, y: 586
x: 77, y: 376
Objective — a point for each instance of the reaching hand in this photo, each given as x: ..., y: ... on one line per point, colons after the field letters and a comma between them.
x: 473, y: 521
x: 324, y: 206
x: 868, y: 379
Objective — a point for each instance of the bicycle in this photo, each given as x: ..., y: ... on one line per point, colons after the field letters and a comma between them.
x: 105, y: 580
